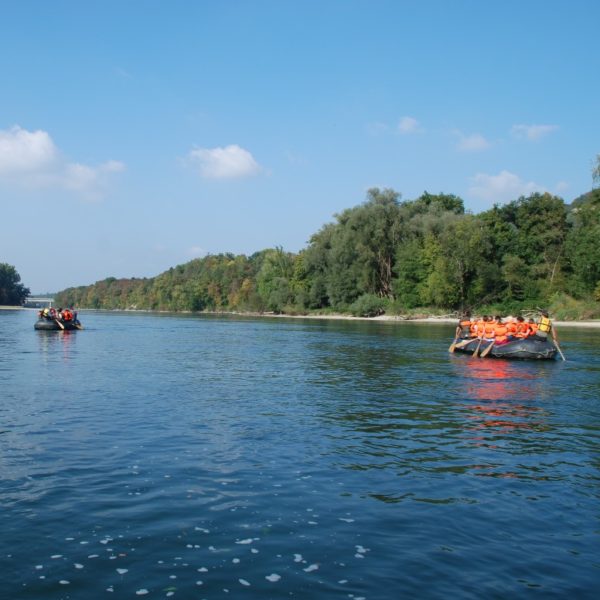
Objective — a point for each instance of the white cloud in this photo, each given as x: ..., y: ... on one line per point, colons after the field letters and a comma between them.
x: 196, y: 251
x: 504, y: 187
x: 31, y: 159
x: 408, y: 125
x: 532, y: 133
x: 22, y: 150
x: 224, y: 163
x: 472, y: 143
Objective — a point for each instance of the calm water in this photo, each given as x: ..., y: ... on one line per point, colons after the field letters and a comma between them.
x: 194, y: 457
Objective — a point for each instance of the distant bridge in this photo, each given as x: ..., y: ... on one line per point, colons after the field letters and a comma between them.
x: 32, y: 302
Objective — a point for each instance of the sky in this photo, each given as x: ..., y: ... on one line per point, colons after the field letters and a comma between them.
x: 138, y: 135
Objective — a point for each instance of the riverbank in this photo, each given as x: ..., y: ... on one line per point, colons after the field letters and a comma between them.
x: 593, y: 324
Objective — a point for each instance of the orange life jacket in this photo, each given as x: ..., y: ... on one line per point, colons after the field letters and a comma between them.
x: 512, y: 327
x: 501, y: 332
x: 523, y: 330
x: 489, y: 329
x: 465, y: 326
x: 67, y: 315
x: 532, y: 328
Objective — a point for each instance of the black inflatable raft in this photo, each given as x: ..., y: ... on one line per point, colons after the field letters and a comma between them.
x: 52, y: 325
x: 526, y: 348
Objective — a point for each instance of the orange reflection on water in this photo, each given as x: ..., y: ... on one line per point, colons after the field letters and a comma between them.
x: 504, y: 395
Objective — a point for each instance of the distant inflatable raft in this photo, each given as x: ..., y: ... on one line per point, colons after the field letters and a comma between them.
x: 53, y: 325
x: 527, y: 348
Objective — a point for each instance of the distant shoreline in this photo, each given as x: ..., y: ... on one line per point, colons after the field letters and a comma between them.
x: 594, y: 324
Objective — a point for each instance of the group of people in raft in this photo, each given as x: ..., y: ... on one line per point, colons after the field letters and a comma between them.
x: 503, y: 330
x: 62, y: 314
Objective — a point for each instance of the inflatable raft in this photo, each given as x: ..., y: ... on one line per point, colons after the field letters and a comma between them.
x: 53, y: 325
x: 527, y: 348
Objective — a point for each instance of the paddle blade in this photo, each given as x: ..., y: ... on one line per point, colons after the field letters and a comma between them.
x: 486, y: 351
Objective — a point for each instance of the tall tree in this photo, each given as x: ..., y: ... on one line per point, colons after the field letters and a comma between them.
x: 12, y: 292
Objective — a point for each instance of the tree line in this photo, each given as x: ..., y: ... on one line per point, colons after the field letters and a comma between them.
x: 12, y: 291
x: 389, y: 255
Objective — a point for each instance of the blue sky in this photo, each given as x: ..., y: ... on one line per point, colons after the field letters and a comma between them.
x: 138, y: 135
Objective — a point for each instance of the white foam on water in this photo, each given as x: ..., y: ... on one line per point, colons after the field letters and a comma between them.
x: 78, y: 566
x: 122, y: 571
x: 39, y: 566
x: 246, y: 541
x: 312, y: 567
x: 202, y: 570
x: 172, y: 576
x: 69, y: 539
x: 64, y: 582
x: 273, y: 577
x: 357, y: 555
x: 346, y: 520
x: 201, y: 529
x: 297, y: 557
x: 110, y: 589
x: 244, y: 582
x: 170, y: 594
x: 312, y: 523
x: 235, y: 561
x: 141, y: 592
x: 254, y: 550
x: 56, y: 556
x: 342, y: 581
x: 93, y: 556
x: 199, y: 582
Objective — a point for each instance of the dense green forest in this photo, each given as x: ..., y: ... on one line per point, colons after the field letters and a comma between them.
x: 394, y: 256
x: 12, y: 291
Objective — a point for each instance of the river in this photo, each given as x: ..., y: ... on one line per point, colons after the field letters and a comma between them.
x: 211, y: 457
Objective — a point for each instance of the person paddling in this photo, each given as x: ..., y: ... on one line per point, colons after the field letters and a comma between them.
x: 544, y: 328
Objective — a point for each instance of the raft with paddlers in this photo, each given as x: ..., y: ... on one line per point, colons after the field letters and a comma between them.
x: 526, y: 348
x: 507, y: 337
x: 46, y: 325
x: 50, y: 319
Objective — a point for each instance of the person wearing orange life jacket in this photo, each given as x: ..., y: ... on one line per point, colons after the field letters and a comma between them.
x: 463, y: 329
x: 532, y: 327
x: 489, y: 329
x: 473, y: 327
x: 511, y: 326
x: 523, y: 328
x: 501, y: 333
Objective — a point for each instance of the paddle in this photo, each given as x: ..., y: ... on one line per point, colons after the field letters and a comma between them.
x: 487, y: 350
x: 60, y: 324
x: 453, y: 344
x: 558, y: 347
x: 464, y: 343
x: 478, y: 346
x: 78, y: 324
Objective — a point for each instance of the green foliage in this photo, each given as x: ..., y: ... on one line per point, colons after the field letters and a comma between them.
x: 368, y: 305
x: 12, y: 292
x: 387, y: 254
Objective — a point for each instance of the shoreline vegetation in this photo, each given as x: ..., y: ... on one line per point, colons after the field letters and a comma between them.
x: 388, y: 260
x: 395, y: 258
x: 419, y: 318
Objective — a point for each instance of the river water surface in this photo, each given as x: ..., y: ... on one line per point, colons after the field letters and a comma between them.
x: 202, y: 457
